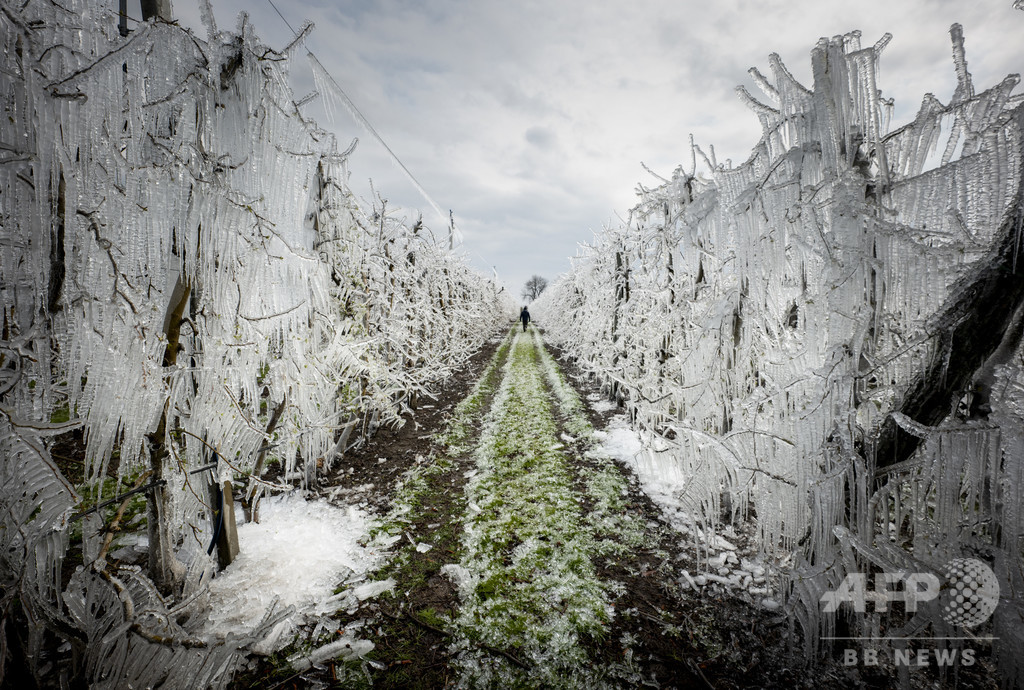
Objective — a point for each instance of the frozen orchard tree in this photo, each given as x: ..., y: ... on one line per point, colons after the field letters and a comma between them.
x: 185, y: 276
x: 798, y: 332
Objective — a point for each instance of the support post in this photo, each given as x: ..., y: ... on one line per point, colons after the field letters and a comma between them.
x: 225, y: 532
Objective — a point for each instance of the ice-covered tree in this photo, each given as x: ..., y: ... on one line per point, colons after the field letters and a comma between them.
x: 826, y: 339
x: 187, y: 279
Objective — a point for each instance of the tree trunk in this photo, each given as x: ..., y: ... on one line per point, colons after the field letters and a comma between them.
x: 161, y: 555
x: 253, y: 491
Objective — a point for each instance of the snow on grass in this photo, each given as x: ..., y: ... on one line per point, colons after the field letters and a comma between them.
x: 527, y: 578
x: 606, y: 485
x: 294, y: 557
x: 726, y: 567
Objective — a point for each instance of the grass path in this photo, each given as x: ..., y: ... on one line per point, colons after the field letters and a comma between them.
x: 525, y: 558
x: 528, y: 581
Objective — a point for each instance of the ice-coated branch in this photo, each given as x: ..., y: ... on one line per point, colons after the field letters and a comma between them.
x: 149, y: 199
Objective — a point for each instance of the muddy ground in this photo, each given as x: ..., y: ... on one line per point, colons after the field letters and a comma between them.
x: 683, y: 639
x: 687, y: 642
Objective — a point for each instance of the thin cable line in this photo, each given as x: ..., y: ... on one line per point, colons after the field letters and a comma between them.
x: 282, y: 17
x: 365, y: 122
x: 370, y: 128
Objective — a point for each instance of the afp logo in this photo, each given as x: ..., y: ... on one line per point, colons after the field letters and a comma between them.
x: 967, y: 596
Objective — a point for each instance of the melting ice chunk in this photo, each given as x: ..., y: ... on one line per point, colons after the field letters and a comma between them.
x: 372, y: 589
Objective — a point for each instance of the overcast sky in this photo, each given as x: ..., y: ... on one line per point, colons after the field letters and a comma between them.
x: 530, y: 119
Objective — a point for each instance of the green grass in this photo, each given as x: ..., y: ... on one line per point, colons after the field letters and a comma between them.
x: 530, y: 546
x: 537, y: 517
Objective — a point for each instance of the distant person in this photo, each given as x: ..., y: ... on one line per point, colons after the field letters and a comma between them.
x: 524, y: 316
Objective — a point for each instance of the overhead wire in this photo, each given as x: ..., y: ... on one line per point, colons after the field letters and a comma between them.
x: 365, y: 123
x: 286, y: 23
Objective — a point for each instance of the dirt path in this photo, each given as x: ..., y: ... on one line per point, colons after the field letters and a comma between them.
x: 524, y: 557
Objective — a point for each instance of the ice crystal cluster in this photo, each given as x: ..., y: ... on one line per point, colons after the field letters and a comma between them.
x: 184, y: 270
x: 823, y: 339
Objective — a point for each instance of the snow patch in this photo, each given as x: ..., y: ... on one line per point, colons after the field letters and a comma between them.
x: 296, y: 556
x: 601, y: 406
x: 619, y: 441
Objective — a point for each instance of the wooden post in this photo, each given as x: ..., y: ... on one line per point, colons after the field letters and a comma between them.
x: 225, y: 531
x: 122, y: 13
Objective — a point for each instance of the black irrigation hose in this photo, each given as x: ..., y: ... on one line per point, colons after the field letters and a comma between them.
x: 220, y: 521
x: 204, y: 468
x: 115, y: 499
x: 219, y: 511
